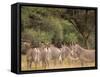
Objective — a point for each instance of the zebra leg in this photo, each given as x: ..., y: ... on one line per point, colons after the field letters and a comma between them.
x: 60, y: 60
x: 36, y: 65
x: 29, y: 63
x: 81, y: 62
x: 55, y: 62
x: 47, y: 64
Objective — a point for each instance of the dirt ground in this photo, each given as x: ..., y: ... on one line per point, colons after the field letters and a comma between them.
x: 66, y: 64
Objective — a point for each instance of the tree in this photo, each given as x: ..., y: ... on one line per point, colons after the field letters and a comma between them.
x: 83, y: 21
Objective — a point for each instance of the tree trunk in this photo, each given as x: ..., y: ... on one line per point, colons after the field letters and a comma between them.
x: 86, y: 43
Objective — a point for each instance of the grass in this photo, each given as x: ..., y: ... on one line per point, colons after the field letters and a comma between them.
x: 66, y: 64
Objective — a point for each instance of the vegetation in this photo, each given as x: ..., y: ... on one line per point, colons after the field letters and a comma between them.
x: 58, y: 26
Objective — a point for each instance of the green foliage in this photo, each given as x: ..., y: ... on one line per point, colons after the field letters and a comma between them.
x: 36, y: 37
x: 57, y: 26
x: 71, y: 38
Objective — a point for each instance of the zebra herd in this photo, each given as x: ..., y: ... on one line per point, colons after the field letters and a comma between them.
x: 45, y: 55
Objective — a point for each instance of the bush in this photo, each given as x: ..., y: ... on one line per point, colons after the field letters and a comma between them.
x: 36, y: 37
x: 70, y: 38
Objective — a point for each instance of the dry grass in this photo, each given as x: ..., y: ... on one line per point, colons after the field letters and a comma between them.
x: 66, y: 64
